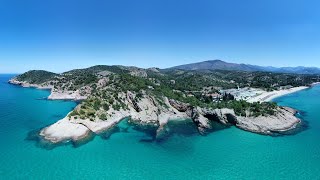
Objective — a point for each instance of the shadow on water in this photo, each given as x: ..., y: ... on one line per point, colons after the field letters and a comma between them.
x: 125, y: 126
x: 148, y: 133
x: 216, y: 125
x: 187, y: 128
x: 41, y: 99
x: 40, y: 142
x: 107, y: 134
x: 150, y: 130
x: 301, y: 114
x: 183, y: 128
x: 302, y: 126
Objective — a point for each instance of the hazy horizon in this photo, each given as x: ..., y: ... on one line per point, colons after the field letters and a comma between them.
x: 138, y: 67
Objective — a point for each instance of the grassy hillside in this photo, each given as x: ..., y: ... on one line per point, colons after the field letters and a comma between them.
x: 36, y: 76
x: 107, y: 87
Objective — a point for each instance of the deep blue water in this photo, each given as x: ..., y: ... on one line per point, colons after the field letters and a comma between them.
x: 226, y: 154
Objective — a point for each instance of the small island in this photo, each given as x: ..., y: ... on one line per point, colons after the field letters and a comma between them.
x: 153, y: 97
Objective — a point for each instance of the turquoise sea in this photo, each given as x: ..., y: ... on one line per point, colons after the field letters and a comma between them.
x: 225, y: 154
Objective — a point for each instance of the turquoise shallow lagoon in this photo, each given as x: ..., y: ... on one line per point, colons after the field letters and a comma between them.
x: 225, y: 154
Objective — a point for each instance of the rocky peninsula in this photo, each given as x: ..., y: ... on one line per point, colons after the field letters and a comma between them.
x: 110, y: 94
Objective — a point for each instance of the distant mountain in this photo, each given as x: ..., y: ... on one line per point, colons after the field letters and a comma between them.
x: 222, y: 65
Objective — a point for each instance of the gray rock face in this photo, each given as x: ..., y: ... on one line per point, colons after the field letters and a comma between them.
x: 146, y: 111
x: 27, y: 85
x: 149, y: 110
x: 182, y: 107
x: 283, y: 120
x: 220, y: 114
x: 133, y: 102
x: 194, y: 114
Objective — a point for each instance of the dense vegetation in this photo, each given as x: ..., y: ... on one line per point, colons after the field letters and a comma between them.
x: 196, y: 80
x: 36, y: 76
x: 243, y: 108
x: 106, y: 87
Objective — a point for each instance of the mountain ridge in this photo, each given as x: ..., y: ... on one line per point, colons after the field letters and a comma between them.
x: 223, y: 65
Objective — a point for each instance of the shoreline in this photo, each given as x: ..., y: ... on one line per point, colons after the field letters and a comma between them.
x: 70, y: 129
x: 269, y: 96
x: 284, y: 121
x: 54, y: 95
x: 28, y: 85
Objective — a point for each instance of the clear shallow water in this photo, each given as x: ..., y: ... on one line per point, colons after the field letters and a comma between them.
x: 226, y: 154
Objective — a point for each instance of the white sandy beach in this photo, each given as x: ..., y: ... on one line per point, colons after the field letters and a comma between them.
x: 315, y: 84
x: 268, y: 96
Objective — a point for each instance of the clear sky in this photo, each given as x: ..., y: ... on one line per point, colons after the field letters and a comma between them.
x: 60, y: 35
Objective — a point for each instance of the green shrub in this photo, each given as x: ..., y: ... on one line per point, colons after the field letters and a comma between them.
x: 103, y: 116
x: 105, y: 107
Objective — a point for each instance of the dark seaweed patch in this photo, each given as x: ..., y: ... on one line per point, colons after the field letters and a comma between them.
x: 107, y: 133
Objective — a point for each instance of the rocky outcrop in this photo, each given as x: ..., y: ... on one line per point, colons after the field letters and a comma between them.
x: 64, y: 130
x: 222, y: 115
x: 55, y: 94
x: 147, y: 111
x: 75, y: 129
x: 133, y: 102
x: 283, y: 120
x: 134, y: 71
x: 97, y: 126
x: 200, y: 121
x: 29, y: 85
x: 66, y: 95
x: 195, y: 113
x: 143, y: 108
x: 182, y: 107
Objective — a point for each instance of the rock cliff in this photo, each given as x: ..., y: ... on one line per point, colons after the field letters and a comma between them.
x: 110, y: 95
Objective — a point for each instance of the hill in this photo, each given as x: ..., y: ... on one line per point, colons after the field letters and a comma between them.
x: 36, y: 76
x: 222, y: 65
x: 152, y: 97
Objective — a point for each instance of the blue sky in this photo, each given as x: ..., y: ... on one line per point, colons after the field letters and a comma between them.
x: 60, y: 35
